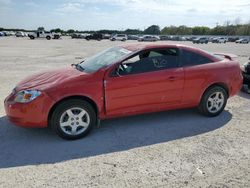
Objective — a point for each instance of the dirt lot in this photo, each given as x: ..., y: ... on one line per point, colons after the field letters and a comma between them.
x: 168, y: 149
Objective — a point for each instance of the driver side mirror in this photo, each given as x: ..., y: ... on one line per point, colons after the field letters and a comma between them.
x: 115, y: 72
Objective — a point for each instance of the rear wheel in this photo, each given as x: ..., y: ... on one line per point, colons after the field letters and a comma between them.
x: 213, y: 101
x: 48, y: 37
x: 73, y: 119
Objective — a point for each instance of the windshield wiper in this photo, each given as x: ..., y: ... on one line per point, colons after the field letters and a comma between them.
x: 78, y: 66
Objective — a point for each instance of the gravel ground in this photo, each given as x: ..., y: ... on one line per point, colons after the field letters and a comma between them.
x: 169, y: 149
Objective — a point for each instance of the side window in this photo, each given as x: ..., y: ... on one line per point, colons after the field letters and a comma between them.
x: 148, y: 61
x: 189, y: 58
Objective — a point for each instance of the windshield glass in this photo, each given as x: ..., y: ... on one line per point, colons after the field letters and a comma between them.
x: 104, y: 58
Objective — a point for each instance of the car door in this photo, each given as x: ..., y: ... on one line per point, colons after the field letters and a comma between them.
x: 197, y: 70
x: 151, y: 81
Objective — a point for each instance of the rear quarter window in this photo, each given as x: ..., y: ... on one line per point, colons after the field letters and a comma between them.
x: 189, y: 58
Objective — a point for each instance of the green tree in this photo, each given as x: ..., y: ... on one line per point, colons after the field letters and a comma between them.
x: 153, y: 30
x: 132, y: 31
x: 200, y: 30
x: 71, y: 31
x: 172, y: 30
x: 57, y: 30
x: 40, y: 29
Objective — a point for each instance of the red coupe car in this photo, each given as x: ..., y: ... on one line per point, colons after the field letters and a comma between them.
x: 124, y: 80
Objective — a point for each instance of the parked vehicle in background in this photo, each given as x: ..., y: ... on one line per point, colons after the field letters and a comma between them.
x: 44, y: 34
x: 189, y: 38
x: 210, y: 39
x: 219, y: 40
x: 106, y: 36
x: 79, y: 35
x: 246, y: 76
x: 8, y: 33
x: 94, y: 36
x: 133, y: 37
x: 200, y: 40
x: 20, y: 34
x: 242, y: 41
x: 193, y: 38
x: 164, y: 37
x: 56, y: 35
x: 4, y: 33
x: 40, y: 34
x: 148, y: 38
x: 233, y: 39
x: 182, y: 38
x: 124, y: 80
x: 119, y: 37
x: 1, y: 34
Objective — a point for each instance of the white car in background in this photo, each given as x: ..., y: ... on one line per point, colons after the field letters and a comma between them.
x: 20, y: 34
x: 44, y: 34
x: 242, y: 41
x: 119, y: 37
x: 219, y: 40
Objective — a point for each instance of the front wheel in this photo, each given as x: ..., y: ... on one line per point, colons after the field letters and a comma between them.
x: 73, y: 119
x: 48, y: 37
x: 213, y: 101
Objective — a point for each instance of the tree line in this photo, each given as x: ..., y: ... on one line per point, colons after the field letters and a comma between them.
x: 227, y: 29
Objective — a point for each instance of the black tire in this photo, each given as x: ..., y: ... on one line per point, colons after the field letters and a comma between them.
x: 62, y: 108
x: 204, y: 103
x: 32, y: 37
x: 48, y: 37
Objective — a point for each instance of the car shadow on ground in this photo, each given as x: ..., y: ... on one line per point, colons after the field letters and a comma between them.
x: 21, y: 147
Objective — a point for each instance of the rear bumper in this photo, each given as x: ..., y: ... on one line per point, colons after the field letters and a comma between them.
x: 236, y: 86
x: 32, y: 114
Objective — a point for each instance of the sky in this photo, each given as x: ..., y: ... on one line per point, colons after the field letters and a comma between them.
x: 120, y: 14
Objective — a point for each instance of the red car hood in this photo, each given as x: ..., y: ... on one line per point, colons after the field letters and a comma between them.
x: 45, y: 80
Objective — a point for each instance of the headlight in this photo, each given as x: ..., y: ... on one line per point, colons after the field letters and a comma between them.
x: 26, y: 96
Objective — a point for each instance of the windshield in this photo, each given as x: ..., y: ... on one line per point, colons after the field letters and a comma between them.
x: 104, y: 58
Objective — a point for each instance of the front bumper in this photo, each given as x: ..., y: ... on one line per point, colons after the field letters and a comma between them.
x: 32, y: 114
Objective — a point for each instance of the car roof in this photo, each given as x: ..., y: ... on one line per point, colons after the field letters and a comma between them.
x: 134, y: 47
x: 147, y: 46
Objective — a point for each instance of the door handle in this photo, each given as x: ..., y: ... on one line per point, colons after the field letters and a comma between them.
x: 172, y: 78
